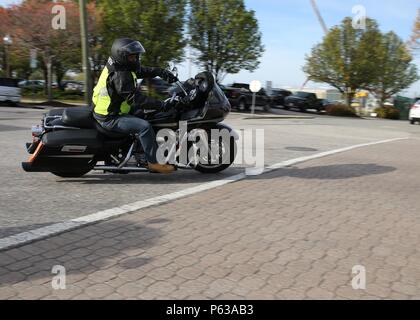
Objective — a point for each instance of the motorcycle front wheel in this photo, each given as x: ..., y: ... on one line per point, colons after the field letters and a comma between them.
x: 216, y: 163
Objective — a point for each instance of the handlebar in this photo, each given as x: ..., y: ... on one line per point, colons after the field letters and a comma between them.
x: 179, y: 83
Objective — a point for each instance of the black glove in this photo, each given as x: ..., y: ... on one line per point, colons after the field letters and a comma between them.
x: 184, y: 100
x: 168, y: 76
x: 168, y: 105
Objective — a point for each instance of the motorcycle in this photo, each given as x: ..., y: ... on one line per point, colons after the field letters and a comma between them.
x: 70, y: 142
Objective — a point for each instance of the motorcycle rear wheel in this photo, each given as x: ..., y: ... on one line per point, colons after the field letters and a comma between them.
x: 77, y: 174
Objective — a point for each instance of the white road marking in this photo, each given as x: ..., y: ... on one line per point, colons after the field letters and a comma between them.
x: 327, y: 153
x: 54, y: 229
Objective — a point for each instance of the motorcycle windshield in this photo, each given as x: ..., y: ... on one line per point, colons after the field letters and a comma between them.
x: 218, y: 100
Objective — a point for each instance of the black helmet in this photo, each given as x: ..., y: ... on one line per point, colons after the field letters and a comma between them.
x: 122, y: 48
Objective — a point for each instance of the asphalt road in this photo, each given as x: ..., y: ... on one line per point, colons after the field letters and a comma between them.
x: 29, y: 201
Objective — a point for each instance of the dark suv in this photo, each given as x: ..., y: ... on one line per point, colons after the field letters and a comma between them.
x: 278, y: 95
x: 240, y: 97
x: 303, y: 101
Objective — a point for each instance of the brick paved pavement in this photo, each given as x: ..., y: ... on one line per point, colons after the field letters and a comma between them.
x: 293, y: 233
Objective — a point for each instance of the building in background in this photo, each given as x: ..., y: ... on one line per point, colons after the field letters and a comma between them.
x: 322, y: 93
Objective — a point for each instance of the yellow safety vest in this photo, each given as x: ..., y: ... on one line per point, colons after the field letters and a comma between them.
x: 101, y: 99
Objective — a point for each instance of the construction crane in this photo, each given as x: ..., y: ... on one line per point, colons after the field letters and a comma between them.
x: 318, y: 14
x: 323, y: 26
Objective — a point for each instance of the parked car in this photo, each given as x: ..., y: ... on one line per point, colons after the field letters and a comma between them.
x: 72, y: 85
x: 34, y: 85
x: 9, y: 90
x: 240, y: 97
x: 278, y: 95
x: 303, y: 101
x: 414, y: 115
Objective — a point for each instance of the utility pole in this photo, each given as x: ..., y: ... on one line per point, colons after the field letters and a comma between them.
x: 49, y: 76
x: 7, y: 40
x: 6, y: 60
x: 189, y: 62
x: 85, y: 51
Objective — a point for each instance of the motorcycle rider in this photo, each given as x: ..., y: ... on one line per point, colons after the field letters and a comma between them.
x: 116, y: 98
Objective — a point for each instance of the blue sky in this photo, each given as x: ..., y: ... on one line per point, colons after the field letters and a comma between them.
x: 290, y: 29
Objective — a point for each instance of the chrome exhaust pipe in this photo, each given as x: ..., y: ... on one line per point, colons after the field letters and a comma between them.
x: 109, y: 168
x: 133, y: 169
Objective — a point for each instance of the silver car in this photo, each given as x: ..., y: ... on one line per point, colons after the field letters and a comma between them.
x: 9, y: 90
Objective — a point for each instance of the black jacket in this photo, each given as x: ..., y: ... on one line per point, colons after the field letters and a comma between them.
x: 121, y: 87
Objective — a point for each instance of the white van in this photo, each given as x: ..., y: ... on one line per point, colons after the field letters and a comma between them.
x: 415, y: 112
x: 9, y: 90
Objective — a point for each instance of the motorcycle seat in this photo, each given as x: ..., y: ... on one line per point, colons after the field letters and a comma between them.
x: 79, y: 117
x: 82, y: 117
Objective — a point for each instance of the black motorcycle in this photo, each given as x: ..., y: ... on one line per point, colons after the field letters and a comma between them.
x: 71, y: 143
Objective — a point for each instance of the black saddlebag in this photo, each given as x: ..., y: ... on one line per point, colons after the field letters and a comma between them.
x: 66, y: 151
x: 89, y: 138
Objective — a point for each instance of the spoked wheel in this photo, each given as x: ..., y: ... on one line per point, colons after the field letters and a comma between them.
x: 219, y: 160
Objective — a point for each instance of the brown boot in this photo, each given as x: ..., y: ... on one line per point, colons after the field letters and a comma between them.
x: 161, y: 168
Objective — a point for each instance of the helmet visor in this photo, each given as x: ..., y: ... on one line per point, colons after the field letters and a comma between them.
x: 134, y: 47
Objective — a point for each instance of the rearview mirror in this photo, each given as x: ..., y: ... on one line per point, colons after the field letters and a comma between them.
x: 175, y: 71
x: 171, y: 67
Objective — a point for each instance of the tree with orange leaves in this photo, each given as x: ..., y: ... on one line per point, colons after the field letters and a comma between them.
x: 4, y: 21
x: 4, y: 27
x: 415, y: 39
x: 32, y: 24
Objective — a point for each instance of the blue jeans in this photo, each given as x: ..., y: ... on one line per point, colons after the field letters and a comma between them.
x: 128, y: 124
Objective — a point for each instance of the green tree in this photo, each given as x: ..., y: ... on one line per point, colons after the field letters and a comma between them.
x: 158, y: 25
x: 20, y: 62
x: 97, y: 47
x: 226, y: 36
x: 415, y: 38
x: 396, y: 70
x: 346, y: 59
